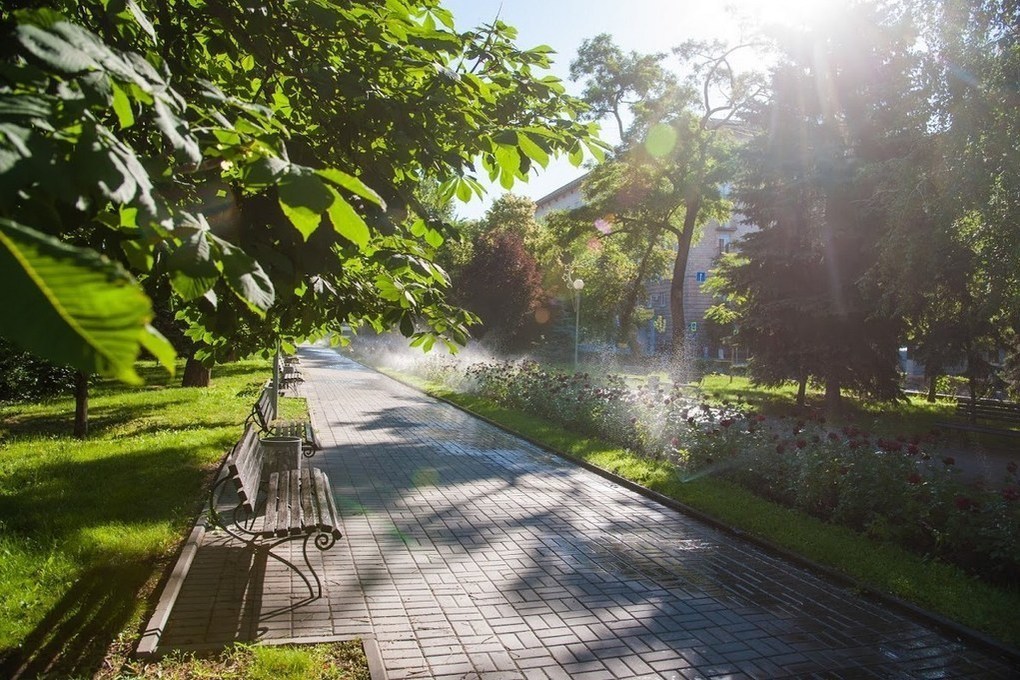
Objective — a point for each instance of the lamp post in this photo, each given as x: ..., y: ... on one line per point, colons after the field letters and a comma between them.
x: 577, y: 285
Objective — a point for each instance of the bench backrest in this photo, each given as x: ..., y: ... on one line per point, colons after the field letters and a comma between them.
x: 989, y: 408
x: 263, y: 409
x: 244, y: 465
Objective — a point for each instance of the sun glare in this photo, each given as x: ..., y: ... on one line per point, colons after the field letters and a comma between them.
x: 766, y: 13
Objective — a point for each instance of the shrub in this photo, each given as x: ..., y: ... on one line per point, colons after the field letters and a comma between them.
x: 23, y: 376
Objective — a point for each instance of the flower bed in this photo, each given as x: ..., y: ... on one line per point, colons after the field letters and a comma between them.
x: 894, y: 489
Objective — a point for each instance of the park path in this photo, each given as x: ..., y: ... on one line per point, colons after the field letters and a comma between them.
x: 471, y: 553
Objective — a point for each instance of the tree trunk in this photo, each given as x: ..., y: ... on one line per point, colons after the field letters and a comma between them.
x: 802, y: 391
x: 195, y: 374
x: 676, y: 286
x: 624, y: 332
x: 972, y: 387
x: 931, y: 388
x: 833, y: 400
x: 81, y: 405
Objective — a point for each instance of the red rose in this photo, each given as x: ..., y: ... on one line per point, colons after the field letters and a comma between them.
x: 964, y: 504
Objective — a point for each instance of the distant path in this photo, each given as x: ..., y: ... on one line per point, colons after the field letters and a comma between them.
x: 471, y: 553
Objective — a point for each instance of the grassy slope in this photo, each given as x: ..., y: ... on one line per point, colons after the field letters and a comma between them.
x: 932, y: 585
x: 86, y: 527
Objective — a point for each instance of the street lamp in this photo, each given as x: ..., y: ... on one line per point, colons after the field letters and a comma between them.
x: 577, y: 285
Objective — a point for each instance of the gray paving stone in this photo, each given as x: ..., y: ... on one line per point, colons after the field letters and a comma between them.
x: 470, y: 553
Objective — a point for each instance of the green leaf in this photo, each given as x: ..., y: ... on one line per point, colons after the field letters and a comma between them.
x: 304, y: 197
x: 245, y: 277
x: 433, y: 238
x: 53, y: 51
x: 407, y: 325
x: 158, y: 346
x: 347, y: 222
x: 176, y: 131
x: 192, y: 270
x: 24, y: 106
x: 142, y: 20
x: 71, y: 305
x: 122, y: 106
x: 533, y: 150
x: 351, y: 184
x: 509, y: 162
x: 463, y: 191
x: 576, y: 155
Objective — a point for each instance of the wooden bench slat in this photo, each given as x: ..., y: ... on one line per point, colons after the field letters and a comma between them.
x: 329, y: 517
x: 308, y: 511
x: 266, y: 420
x: 318, y: 500
x: 286, y: 505
x: 270, y: 518
x: 294, y: 505
x: 244, y: 465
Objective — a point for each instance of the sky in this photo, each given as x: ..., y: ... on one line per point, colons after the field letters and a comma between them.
x: 643, y: 26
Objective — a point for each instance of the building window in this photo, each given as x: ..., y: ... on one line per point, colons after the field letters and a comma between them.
x: 724, y: 243
x: 700, y: 277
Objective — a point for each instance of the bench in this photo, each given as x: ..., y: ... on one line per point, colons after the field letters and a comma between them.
x: 988, y: 410
x: 263, y: 416
x: 279, y: 500
x: 289, y: 373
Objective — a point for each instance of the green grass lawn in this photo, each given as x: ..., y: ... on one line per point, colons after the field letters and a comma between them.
x: 887, y: 568
x: 333, y: 661
x: 87, y: 527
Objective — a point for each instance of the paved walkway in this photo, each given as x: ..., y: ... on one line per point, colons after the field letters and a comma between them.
x: 470, y: 553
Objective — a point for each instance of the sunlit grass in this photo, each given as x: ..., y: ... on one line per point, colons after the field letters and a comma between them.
x: 887, y: 568
x: 86, y: 527
x: 333, y: 661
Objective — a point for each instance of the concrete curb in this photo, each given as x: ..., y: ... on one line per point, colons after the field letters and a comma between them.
x: 149, y: 641
x: 937, y: 621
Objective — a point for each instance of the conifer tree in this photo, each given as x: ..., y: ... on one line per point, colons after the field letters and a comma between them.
x: 832, y: 132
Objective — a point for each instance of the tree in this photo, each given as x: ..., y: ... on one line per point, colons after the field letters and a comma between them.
x: 501, y: 282
x: 833, y: 132
x: 616, y: 80
x: 663, y: 182
x: 951, y: 258
x: 502, y: 285
x: 314, y: 123
x: 613, y: 285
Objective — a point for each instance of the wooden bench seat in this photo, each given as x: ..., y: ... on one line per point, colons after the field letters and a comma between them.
x: 290, y: 376
x: 263, y: 416
x: 279, y: 500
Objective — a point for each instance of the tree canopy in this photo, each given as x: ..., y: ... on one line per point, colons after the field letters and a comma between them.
x: 834, y: 131
x: 663, y: 182
x: 257, y: 166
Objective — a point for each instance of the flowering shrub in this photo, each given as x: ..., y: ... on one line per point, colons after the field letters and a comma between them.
x: 892, y: 489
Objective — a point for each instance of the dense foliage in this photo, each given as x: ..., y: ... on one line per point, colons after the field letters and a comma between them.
x: 503, y: 286
x: 884, y: 180
x: 23, y: 376
x: 260, y: 164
